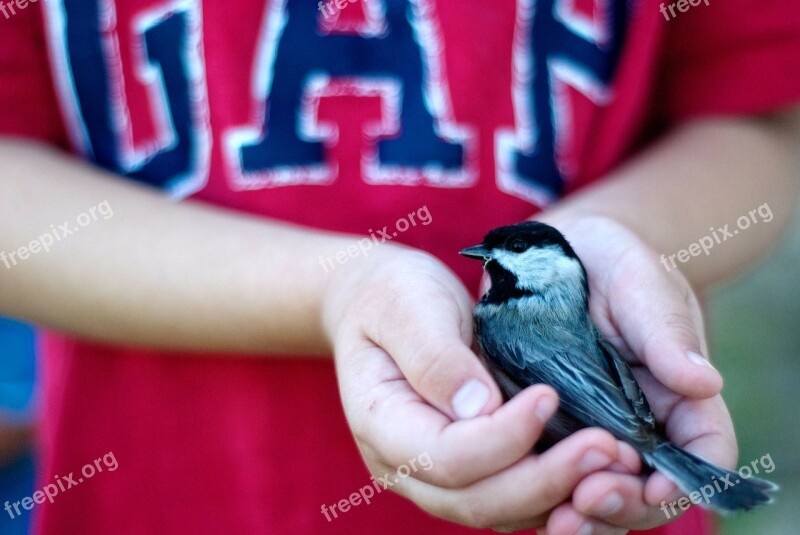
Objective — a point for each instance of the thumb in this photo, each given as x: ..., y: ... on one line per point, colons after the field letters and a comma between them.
x: 667, y: 334
x: 655, y: 311
x: 434, y: 355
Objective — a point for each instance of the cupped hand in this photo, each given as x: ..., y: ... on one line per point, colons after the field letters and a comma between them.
x: 400, y: 323
x: 653, y: 317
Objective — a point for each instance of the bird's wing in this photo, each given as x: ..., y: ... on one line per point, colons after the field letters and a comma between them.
x: 626, y: 380
x: 585, y: 387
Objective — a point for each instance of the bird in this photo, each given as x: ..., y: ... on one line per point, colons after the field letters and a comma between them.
x: 533, y: 327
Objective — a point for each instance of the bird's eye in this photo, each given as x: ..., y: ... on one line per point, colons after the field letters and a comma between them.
x: 518, y: 246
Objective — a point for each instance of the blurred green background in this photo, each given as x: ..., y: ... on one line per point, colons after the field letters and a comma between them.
x: 754, y: 332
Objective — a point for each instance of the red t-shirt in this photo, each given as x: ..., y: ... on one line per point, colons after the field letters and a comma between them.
x: 346, y: 116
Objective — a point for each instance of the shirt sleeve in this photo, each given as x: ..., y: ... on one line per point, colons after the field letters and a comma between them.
x: 28, y: 106
x: 731, y: 57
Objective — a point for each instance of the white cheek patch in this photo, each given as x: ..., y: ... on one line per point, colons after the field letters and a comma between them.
x: 539, y: 267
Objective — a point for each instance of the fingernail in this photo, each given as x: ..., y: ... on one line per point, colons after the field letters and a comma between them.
x: 698, y: 359
x: 545, y: 408
x: 586, y: 529
x: 594, y: 460
x: 470, y: 399
x: 610, y: 505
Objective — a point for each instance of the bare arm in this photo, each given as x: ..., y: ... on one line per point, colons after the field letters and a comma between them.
x: 187, y: 275
x: 705, y: 174
x: 157, y: 273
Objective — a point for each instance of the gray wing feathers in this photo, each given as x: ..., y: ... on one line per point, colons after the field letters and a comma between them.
x: 591, y: 389
x: 587, y: 392
x: 628, y: 382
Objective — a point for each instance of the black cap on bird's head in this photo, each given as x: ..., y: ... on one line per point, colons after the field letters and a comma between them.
x: 528, y: 258
x: 519, y: 238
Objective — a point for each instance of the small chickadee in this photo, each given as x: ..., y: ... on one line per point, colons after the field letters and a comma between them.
x: 533, y: 326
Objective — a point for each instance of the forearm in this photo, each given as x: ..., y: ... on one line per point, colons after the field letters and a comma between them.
x: 704, y: 174
x: 158, y: 273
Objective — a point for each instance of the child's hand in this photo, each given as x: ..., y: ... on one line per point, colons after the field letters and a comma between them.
x: 401, y: 327
x: 653, y: 317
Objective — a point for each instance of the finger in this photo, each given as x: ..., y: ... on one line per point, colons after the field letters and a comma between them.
x: 701, y: 427
x: 565, y: 520
x: 433, y: 352
x: 617, y: 500
x: 468, y: 450
x: 526, y: 491
x: 664, y: 329
x: 704, y: 427
x: 397, y: 426
x: 663, y: 326
x: 630, y: 460
x: 486, y: 283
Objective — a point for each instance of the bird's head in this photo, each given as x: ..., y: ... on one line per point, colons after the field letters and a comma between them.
x: 529, y: 258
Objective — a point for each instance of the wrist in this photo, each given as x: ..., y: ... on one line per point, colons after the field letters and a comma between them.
x: 360, y: 280
x: 587, y: 228
x: 568, y: 216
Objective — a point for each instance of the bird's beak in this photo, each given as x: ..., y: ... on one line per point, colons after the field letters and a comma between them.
x: 477, y: 251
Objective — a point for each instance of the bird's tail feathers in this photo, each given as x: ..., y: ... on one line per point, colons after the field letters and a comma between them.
x: 713, y: 487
